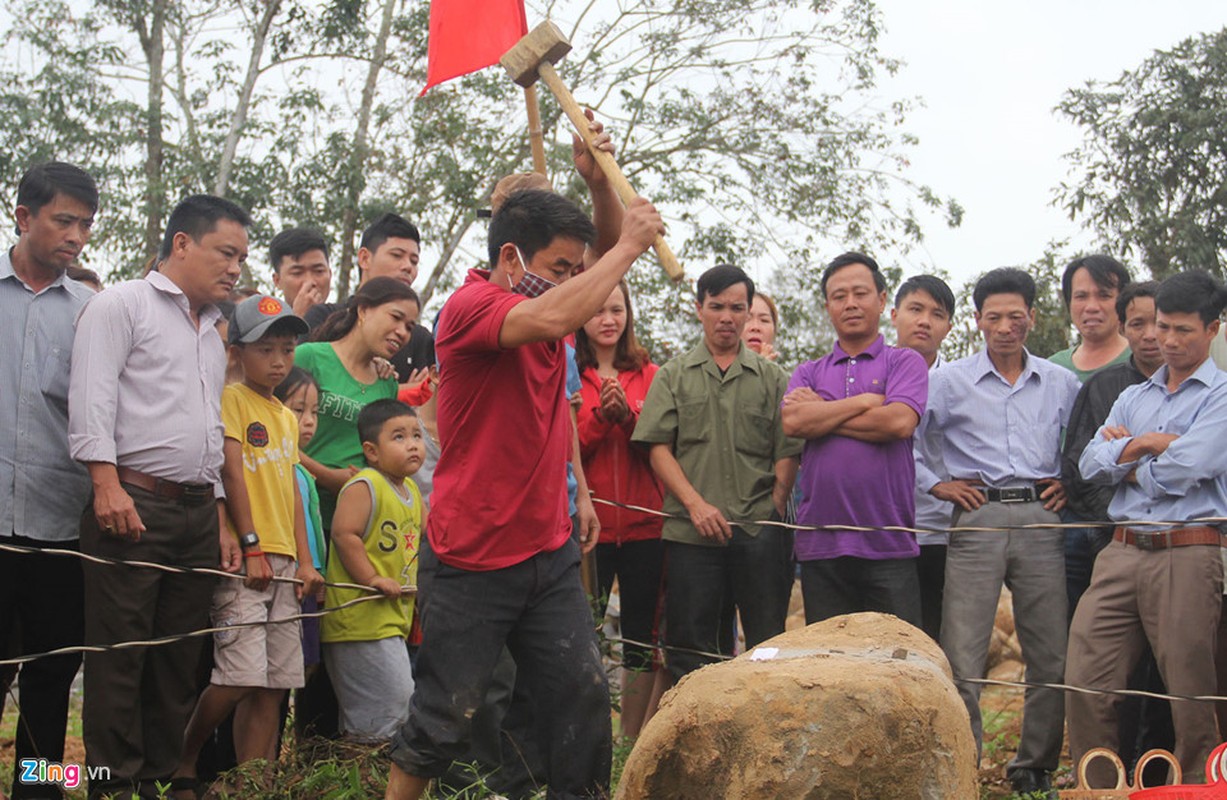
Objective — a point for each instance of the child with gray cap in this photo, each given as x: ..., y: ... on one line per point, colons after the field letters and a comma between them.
x: 264, y: 511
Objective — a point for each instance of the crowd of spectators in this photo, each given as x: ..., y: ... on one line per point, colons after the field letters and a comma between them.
x: 433, y: 488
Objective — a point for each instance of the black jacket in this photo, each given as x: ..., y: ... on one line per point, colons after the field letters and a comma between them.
x: 1090, y: 500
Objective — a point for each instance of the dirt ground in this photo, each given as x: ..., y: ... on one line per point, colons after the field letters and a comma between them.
x: 1001, y: 709
x: 1001, y: 706
x: 74, y: 747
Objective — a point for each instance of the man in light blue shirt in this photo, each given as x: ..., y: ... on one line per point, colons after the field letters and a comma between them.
x: 42, y: 490
x: 1162, y: 447
x: 995, y: 419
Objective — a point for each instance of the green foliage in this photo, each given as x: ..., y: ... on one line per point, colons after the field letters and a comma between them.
x: 1150, y: 177
x: 756, y: 125
x: 621, y: 752
x: 56, y: 104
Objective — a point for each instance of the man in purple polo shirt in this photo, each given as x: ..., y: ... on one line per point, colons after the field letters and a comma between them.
x: 857, y: 408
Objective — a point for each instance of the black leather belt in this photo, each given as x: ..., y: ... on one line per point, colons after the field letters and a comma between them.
x: 1018, y: 494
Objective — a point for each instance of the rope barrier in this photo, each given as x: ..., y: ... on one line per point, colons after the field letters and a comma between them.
x: 1065, y: 687
x: 174, y: 570
x: 373, y: 594
x: 177, y: 637
x: 1203, y: 698
x: 1212, y: 521
x: 672, y: 648
x: 1215, y: 521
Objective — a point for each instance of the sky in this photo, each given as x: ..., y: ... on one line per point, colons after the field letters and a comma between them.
x: 990, y: 74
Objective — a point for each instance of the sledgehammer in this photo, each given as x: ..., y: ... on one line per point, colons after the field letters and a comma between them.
x: 534, y: 57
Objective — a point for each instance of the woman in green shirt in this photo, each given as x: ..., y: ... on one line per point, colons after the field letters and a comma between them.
x: 374, y: 323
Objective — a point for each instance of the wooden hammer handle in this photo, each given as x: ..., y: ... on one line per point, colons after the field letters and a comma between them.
x: 605, y: 161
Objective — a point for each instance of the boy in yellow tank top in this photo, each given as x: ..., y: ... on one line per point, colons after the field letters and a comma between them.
x: 375, y: 532
x: 256, y: 664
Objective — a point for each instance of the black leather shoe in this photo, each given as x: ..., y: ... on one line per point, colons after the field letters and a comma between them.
x: 1032, y: 783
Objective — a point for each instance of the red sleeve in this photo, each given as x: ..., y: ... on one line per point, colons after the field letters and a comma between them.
x: 473, y: 316
x: 416, y: 395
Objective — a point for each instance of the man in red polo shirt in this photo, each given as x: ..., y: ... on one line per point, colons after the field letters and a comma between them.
x: 502, y: 568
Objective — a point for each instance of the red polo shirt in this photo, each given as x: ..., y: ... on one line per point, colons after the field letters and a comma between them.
x: 500, y: 487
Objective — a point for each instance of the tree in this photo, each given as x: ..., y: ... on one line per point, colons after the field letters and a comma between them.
x: 148, y: 21
x: 59, y: 100
x: 359, y: 148
x: 1150, y: 176
x: 264, y: 22
x: 756, y: 126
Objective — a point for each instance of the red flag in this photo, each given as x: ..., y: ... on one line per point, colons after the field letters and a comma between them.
x: 468, y: 35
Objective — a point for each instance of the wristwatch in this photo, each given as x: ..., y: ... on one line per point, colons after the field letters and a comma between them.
x: 249, y: 540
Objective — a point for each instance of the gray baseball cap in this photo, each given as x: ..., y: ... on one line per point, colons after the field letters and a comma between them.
x: 254, y: 316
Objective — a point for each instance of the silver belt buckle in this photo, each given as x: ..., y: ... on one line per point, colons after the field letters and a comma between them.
x: 1145, y: 540
x: 1016, y: 495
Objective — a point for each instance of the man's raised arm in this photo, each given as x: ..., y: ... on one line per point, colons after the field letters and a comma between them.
x: 566, y: 307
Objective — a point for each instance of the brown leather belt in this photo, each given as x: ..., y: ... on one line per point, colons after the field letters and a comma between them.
x: 1176, y: 537
x: 187, y: 493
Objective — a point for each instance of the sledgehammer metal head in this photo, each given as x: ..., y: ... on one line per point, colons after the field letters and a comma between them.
x: 533, y: 57
x: 544, y: 44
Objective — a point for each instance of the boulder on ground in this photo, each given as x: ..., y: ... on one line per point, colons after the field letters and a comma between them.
x: 857, y: 707
x: 1004, y: 620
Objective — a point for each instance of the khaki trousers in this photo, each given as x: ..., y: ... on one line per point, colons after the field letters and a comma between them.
x: 1171, y: 598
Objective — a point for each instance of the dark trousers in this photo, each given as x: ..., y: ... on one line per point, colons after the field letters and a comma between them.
x: 931, y: 570
x: 502, y: 749
x: 1081, y: 547
x: 750, y: 572
x: 849, y: 585
x: 638, y: 566
x: 138, y: 700
x: 42, y: 596
x: 315, y: 707
x: 488, y: 741
x: 538, y: 610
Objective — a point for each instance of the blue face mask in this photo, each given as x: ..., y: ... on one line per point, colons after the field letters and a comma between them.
x: 531, y: 285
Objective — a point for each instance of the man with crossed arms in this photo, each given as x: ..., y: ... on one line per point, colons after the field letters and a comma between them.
x: 1162, y: 446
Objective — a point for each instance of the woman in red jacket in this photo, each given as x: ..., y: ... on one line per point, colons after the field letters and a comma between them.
x: 615, y: 373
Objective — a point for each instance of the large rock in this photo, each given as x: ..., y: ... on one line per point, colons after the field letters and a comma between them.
x: 859, y: 707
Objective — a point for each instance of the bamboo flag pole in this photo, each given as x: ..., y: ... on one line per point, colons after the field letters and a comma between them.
x: 536, y: 137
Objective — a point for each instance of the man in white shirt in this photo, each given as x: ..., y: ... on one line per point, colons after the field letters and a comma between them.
x: 145, y: 418
x: 922, y: 316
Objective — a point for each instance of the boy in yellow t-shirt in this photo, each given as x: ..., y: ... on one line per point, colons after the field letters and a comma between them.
x: 375, y: 533
x: 257, y: 664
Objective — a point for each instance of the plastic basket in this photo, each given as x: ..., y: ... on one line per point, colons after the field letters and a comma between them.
x: 1215, y: 789
x: 1083, y: 792
x: 1121, y: 791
